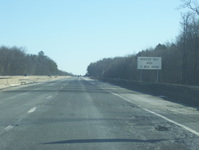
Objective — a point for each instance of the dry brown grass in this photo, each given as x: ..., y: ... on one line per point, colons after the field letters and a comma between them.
x: 7, y: 81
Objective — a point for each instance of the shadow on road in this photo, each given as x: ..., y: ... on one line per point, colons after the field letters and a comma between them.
x: 64, y: 90
x: 79, y: 141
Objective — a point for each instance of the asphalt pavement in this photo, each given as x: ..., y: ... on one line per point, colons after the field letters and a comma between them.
x: 83, y: 114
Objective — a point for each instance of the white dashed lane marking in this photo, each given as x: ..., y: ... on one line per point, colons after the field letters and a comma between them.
x: 9, y: 127
x: 49, y: 97
x: 29, y: 112
x: 32, y: 110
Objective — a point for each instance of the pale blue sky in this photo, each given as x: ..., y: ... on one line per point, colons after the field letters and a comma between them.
x: 75, y: 33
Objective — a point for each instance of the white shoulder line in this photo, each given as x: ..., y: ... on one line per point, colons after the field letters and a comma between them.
x: 161, y: 116
x: 178, y: 124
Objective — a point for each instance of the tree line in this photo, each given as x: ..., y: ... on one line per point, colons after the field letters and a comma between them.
x: 180, y: 59
x: 14, y: 61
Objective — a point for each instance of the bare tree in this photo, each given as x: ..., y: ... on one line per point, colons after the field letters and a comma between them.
x: 14, y: 61
x: 192, y: 5
x: 184, y: 38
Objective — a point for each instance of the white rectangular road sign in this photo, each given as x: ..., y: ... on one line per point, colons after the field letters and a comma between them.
x: 149, y: 63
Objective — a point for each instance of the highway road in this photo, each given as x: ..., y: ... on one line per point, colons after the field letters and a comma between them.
x: 85, y: 114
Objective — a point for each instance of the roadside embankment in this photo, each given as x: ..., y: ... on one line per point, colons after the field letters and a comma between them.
x: 8, y: 81
x: 184, y: 94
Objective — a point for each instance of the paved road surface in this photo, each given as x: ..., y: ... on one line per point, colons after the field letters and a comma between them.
x: 84, y: 114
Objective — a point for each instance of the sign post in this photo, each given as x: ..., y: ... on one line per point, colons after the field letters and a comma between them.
x: 149, y: 63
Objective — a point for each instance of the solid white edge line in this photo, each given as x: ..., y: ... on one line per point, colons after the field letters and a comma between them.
x: 161, y: 116
x: 32, y: 110
x: 176, y: 123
